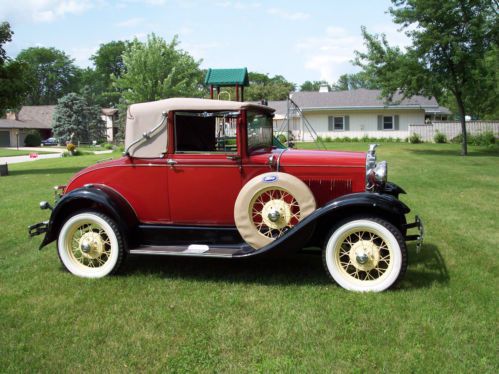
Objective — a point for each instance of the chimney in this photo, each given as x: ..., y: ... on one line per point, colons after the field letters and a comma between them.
x: 324, y: 88
x: 12, y: 115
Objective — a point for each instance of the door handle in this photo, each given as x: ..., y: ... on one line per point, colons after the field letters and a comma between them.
x: 171, y: 162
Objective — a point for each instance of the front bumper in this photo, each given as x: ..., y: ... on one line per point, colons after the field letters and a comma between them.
x: 419, y: 237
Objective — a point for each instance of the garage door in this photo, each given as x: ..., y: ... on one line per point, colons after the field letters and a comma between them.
x: 4, y: 139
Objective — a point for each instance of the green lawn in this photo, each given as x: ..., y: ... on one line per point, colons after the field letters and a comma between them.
x: 188, y: 315
x: 4, y: 152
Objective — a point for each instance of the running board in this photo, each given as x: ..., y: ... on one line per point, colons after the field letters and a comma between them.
x: 193, y: 250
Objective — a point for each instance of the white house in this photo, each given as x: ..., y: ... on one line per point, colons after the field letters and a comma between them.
x: 355, y: 113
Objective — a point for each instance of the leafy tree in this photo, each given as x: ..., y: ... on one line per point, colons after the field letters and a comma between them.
x: 75, y: 120
x: 313, y: 85
x: 451, y: 41
x: 13, y: 84
x: 108, y: 61
x: 157, y: 70
x: 354, y: 81
x: 51, y: 72
x: 269, y: 88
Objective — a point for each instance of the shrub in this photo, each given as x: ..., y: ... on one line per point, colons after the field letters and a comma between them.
x: 328, y: 139
x: 71, y: 147
x: 415, y: 138
x: 107, y: 146
x: 33, y: 139
x: 440, y: 137
x: 282, y: 138
x: 486, y: 138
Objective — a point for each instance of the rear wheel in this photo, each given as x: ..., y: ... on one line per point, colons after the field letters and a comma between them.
x: 365, y: 254
x: 90, y: 245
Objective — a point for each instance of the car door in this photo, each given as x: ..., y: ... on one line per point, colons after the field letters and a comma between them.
x: 204, y: 174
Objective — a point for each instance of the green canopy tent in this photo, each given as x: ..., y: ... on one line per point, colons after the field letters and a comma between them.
x: 238, y: 78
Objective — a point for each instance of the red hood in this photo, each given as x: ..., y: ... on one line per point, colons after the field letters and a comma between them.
x: 295, y: 157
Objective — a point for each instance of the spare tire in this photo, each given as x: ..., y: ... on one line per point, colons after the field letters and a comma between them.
x: 270, y: 204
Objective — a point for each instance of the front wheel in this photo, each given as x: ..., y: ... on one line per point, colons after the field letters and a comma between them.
x: 90, y: 245
x: 365, y: 254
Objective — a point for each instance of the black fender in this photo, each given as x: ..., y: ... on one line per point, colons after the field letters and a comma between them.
x: 312, y: 230
x: 95, y: 197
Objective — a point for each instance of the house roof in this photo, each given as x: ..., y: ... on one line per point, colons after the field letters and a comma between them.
x: 357, y: 99
x: 31, y: 117
x: 227, y: 77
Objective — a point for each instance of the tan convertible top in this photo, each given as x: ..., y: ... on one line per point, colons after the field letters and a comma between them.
x: 144, y: 117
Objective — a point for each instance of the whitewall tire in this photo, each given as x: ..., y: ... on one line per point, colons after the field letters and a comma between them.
x: 90, y: 245
x: 365, y: 255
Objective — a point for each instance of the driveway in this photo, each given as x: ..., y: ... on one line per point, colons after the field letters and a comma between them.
x: 18, y: 159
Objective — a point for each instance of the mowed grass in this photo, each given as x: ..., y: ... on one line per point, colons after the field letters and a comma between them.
x: 277, y: 315
x: 5, y: 152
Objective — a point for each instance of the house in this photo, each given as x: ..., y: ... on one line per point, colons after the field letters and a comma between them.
x: 16, y: 125
x: 355, y: 113
x: 110, y: 117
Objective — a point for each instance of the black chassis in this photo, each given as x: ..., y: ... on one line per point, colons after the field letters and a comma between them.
x: 223, y: 241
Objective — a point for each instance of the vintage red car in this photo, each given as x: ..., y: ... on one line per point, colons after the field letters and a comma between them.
x: 206, y: 178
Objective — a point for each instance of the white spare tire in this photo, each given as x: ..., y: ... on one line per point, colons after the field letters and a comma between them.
x: 270, y: 204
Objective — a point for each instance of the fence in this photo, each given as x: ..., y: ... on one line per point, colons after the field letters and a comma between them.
x: 453, y: 128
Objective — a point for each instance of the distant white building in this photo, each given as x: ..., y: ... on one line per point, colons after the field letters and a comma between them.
x: 356, y: 113
x: 110, y: 116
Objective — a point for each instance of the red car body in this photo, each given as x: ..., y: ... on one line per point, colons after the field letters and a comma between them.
x: 208, y: 180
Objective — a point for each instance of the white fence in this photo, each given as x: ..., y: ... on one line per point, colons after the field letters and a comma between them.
x: 453, y: 128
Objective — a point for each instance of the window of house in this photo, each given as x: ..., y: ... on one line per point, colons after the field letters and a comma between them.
x: 387, y: 122
x: 205, y: 132
x: 336, y: 124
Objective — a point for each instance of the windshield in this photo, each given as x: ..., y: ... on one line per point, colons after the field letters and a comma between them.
x: 259, y: 131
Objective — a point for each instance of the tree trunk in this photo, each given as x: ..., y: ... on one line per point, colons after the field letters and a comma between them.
x: 462, y: 113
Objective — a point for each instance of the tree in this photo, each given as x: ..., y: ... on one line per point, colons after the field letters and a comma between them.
x: 157, y: 70
x: 108, y: 61
x: 354, y: 81
x: 450, y: 44
x: 13, y: 85
x: 269, y: 88
x: 75, y: 120
x: 313, y: 85
x: 51, y: 72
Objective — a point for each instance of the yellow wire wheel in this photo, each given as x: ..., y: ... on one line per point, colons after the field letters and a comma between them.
x: 90, y: 245
x: 365, y: 255
x: 269, y: 205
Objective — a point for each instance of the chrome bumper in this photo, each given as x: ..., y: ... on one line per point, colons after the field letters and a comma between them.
x: 418, y: 223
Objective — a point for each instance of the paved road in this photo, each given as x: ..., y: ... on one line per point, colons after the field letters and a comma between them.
x: 17, y: 159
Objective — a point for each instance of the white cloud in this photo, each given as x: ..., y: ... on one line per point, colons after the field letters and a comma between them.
x: 292, y: 16
x: 240, y: 5
x: 44, y: 10
x: 132, y: 22
x: 331, y: 55
x: 82, y: 55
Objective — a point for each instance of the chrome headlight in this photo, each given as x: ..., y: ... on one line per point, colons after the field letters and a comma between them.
x: 381, y: 173
x: 376, y: 173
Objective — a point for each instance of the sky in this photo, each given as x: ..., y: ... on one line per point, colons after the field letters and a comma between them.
x: 300, y: 40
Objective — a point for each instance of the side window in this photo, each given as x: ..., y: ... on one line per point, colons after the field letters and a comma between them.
x: 387, y: 123
x: 259, y: 131
x: 206, y: 132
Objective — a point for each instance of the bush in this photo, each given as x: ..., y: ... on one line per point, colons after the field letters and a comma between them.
x: 282, y: 138
x: 440, y: 137
x: 415, y: 138
x: 486, y: 138
x: 71, y: 147
x: 33, y: 139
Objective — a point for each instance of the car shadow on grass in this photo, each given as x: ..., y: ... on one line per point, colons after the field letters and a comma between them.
x: 426, y: 268
x: 299, y: 269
